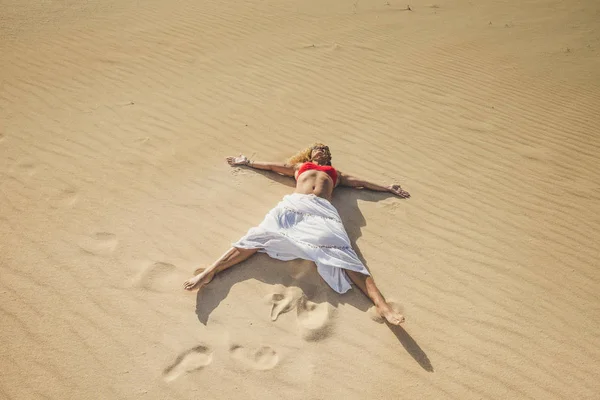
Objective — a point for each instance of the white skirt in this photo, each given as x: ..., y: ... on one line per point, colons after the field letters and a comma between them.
x: 308, y: 227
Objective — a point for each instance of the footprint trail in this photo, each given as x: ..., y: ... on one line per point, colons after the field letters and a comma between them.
x: 262, y: 359
x: 99, y: 244
x: 314, y: 320
x: 192, y: 360
x: 285, y: 302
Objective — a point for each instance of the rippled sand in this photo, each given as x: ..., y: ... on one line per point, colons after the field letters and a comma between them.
x: 116, y: 117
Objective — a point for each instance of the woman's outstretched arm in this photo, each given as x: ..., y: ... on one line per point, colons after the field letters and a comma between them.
x: 280, y: 168
x: 352, y: 181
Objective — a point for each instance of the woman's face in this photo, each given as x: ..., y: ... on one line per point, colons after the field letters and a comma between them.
x: 320, y: 154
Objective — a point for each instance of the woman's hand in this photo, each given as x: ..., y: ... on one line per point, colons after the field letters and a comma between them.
x: 398, y: 191
x: 239, y: 160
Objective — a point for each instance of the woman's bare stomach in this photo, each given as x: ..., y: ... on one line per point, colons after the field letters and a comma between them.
x: 315, y: 182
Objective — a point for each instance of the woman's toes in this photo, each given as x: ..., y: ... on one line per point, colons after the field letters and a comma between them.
x: 188, y: 285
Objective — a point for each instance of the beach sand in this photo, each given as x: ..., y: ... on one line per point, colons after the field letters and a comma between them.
x: 115, y: 121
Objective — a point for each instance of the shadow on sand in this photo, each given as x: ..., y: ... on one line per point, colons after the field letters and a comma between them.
x: 300, y: 274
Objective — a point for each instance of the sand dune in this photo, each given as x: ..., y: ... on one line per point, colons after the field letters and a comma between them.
x: 116, y: 117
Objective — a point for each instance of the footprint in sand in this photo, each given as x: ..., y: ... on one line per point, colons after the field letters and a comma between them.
x: 262, y: 359
x: 284, y: 302
x: 25, y: 168
x: 159, y: 277
x: 99, y: 244
x: 192, y: 360
x: 66, y: 198
x: 314, y: 320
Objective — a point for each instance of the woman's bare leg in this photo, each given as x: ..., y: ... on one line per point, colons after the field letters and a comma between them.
x: 203, y: 276
x: 367, y: 285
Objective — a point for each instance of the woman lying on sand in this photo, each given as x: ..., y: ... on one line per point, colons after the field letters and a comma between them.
x: 306, y: 225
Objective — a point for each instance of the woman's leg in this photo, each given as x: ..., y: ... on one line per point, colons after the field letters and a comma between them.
x: 203, y: 276
x: 367, y: 285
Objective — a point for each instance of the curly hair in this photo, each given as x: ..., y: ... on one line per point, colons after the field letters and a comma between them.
x: 305, y: 155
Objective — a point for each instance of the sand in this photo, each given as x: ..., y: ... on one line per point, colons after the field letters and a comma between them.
x: 116, y: 118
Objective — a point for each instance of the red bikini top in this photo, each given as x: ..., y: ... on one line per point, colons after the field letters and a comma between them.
x: 328, y: 169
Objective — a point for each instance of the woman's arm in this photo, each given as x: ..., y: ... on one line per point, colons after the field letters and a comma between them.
x: 352, y: 181
x: 280, y: 168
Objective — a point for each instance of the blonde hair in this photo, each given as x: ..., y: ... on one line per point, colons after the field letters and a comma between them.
x: 305, y: 155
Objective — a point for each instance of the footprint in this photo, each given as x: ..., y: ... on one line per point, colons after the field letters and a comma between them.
x: 315, y: 320
x: 25, y: 167
x: 158, y: 277
x: 284, y: 302
x: 262, y: 359
x: 66, y: 198
x: 99, y: 244
x: 192, y: 360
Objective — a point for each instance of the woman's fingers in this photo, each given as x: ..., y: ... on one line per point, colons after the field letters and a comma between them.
x: 236, y: 160
x: 398, y: 191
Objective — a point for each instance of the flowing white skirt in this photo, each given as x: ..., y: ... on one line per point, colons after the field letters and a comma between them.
x: 308, y: 227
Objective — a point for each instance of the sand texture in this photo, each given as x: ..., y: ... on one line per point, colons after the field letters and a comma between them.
x: 116, y: 118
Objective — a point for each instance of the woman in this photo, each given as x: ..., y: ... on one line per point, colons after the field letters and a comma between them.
x: 306, y: 225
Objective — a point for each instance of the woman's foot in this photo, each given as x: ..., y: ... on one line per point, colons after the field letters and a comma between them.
x: 199, y: 280
x: 391, y: 316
